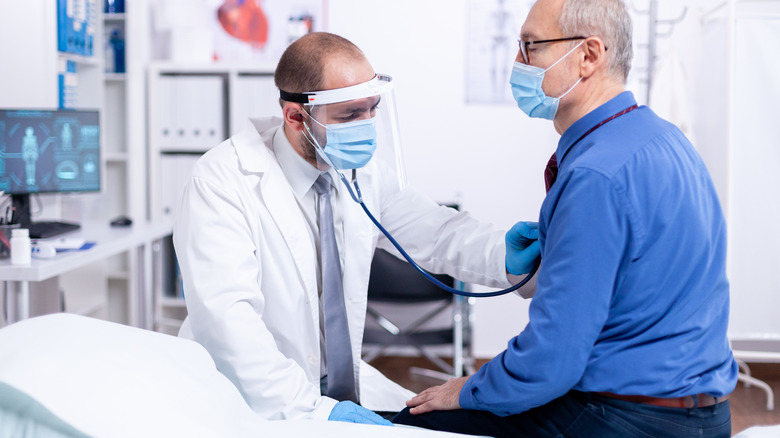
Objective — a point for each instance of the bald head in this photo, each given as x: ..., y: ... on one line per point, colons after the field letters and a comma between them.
x: 310, y: 63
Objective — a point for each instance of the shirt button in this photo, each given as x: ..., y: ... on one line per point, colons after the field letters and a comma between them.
x: 311, y: 359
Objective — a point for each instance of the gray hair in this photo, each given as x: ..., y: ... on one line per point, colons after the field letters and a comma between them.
x: 607, y: 19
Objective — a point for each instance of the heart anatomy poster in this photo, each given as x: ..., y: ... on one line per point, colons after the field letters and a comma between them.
x: 233, y: 30
x: 262, y: 29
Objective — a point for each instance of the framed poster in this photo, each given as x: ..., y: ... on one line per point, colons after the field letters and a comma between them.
x: 492, y: 30
x: 233, y: 30
x: 260, y: 30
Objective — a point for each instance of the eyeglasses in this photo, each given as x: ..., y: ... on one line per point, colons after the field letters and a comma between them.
x: 525, y: 44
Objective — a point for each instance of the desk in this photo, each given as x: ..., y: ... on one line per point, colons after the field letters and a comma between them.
x: 110, y: 241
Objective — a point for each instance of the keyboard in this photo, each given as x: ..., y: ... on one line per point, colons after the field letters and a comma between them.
x: 46, y: 229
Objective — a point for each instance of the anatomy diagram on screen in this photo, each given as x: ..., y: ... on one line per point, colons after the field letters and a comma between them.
x: 49, y: 151
x: 67, y: 137
x: 30, y: 154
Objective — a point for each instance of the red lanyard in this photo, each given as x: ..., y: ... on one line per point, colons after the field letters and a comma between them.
x: 608, y: 119
x: 551, y: 171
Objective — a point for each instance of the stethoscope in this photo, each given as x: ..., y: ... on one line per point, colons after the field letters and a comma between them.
x: 358, y: 197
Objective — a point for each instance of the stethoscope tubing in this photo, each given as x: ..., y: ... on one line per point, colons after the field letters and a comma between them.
x: 358, y: 197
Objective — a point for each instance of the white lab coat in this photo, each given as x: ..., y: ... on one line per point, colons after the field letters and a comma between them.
x: 250, y: 284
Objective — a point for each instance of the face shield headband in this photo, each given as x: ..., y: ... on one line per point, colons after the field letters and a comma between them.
x: 378, y: 85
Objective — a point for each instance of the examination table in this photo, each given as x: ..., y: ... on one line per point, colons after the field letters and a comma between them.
x: 64, y: 375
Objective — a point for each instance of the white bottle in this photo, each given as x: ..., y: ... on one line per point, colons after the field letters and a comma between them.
x: 21, y: 250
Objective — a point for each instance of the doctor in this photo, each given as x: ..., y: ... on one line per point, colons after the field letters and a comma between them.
x: 254, y: 237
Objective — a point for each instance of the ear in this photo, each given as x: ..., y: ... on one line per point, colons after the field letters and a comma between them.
x: 293, y: 115
x: 595, y: 57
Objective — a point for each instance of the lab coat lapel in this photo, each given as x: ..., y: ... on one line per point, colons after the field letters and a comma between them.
x: 255, y: 152
x: 280, y: 202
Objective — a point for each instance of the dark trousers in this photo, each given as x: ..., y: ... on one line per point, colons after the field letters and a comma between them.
x: 579, y: 414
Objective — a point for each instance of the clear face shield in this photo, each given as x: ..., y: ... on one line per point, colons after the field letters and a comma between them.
x: 353, y: 126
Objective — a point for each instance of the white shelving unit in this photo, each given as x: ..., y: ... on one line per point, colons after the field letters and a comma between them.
x: 29, y: 79
x: 125, y: 151
x: 115, y: 153
x: 184, y: 122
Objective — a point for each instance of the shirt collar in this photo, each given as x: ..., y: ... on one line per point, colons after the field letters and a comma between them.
x: 299, y: 172
x: 593, y: 118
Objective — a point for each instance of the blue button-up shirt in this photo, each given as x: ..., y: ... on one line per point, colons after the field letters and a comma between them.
x: 632, y: 296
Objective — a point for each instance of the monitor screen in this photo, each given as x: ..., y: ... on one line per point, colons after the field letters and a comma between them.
x: 45, y: 151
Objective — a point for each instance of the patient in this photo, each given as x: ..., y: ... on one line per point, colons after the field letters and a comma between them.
x: 627, y: 330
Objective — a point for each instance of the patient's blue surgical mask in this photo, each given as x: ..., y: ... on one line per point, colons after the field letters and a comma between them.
x: 526, y: 81
x: 350, y: 145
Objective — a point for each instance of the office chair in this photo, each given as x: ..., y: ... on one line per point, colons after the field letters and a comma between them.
x: 394, y: 281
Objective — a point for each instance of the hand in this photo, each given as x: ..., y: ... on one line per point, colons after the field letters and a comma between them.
x: 351, y: 413
x: 522, y: 247
x: 438, y: 398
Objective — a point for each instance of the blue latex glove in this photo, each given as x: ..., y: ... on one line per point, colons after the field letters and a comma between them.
x: 351, y: 413
x: 522, y: 247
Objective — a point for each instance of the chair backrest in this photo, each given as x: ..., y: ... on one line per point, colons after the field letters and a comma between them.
x: 395, y: 280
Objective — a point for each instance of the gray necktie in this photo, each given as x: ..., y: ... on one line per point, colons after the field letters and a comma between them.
x: 338, y: 348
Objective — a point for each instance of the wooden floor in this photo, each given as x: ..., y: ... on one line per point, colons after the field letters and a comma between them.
x: 748, y: 405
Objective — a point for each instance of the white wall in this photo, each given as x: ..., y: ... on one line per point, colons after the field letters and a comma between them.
x: 30, y: 25
x: 736, y: 98
x: 754, y: 217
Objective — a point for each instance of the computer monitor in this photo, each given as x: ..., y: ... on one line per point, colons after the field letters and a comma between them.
x: 47, y: 151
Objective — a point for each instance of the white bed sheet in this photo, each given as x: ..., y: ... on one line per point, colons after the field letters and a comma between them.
x: 77, y: 375
x: 760, y: 432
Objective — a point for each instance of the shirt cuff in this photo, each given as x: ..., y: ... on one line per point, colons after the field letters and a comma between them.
x: 465, y: 399
x: 527, y: 290
x: 322, y: 411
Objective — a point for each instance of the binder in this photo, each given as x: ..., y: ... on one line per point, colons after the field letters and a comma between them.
x: 67, y: 84
x: 257, y: 96
x: 182, y: 114
x: 90, y: 28
x: 190, y: 113
x: 209, y: 112
x: 176, y: 172
x: 163, y: 128
x: 72, y: 24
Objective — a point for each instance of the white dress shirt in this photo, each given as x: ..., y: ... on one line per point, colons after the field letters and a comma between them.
x: 301, y: 176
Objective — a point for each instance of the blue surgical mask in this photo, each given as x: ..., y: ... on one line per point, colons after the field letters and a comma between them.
x: 526, y: 81
x: 350, y: 145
